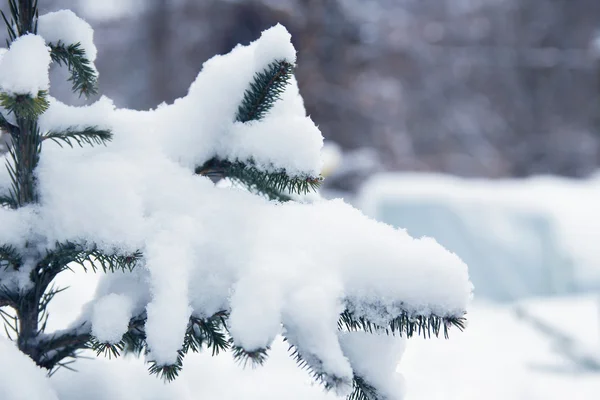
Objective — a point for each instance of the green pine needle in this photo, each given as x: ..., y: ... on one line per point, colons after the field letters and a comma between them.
x: 166, y: 372
x: 83, y: 75
x: 25, y: 106
x: 110, y: 350
x: 264, y: 91
x: 9, y: 257
x: 361, y: 390
x: 92, y: 258
x: 90, y: 135
x: 6, y: 200
x: 405, y: 324
x: 244, y: 357
x: 269, y: 183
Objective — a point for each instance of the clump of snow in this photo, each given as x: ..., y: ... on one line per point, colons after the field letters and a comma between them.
x: 274, y: 44
x: 375, y: 357
x: 20, y: 378
x: 67, y: 27
x: 110, y: 317
x: 24, y: 67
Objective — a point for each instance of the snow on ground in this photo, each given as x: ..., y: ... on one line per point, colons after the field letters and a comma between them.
x: 500, y: 356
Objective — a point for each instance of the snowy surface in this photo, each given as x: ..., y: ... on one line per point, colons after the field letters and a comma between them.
x: 20, y: 378
x: 208, y: 249
x: 503, y: 357
x: 535, y: 236
x: 68, y: 28
x: 24, y: 67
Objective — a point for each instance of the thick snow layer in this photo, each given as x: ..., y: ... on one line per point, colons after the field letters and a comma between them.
x: 110, y: 317
x: 526, y: 237
x: 375, y: 358
x: 24, y: 67
x: 68, y: 28
x: 208, y: 249
x: 20, y: 378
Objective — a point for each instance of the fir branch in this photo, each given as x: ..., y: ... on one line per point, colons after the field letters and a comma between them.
x: 208, y: 332
x: 90, y: 135
x: 256, y: 180
x: 24, y: 19
x: 7, y: 201
x: 166, y: 372
x: 5, y: 125
x: 315, y: 373
x: 11, y: 324
x: 91, y: 257
x: 405, y: 324
x: 8, y: 298
x: 83, y: 76
x: 25, y: 106
x: 244, y: 357
x: 361, y: 390
x: 264, y: 91
x: 9, y: 257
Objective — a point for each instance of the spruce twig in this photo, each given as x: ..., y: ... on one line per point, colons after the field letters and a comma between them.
x: 90, y: 135
x: 83, y: 76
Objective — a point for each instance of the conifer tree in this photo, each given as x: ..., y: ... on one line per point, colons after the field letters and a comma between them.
x: 29, y: 265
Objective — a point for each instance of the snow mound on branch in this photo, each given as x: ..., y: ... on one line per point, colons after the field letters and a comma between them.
x: 67, y: 27
x: 110, y: 317
x: 20, y: 378
x: 201, y: 125
x: 24, y: 67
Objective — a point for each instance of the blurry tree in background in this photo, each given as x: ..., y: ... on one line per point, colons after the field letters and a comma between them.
x: 470, y: 87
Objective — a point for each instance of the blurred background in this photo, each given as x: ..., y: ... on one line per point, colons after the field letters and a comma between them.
x: 476, y: 122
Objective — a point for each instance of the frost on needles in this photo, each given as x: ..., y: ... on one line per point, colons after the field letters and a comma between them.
x: 189, y: 265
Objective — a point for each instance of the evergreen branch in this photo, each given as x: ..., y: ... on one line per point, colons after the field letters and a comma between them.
x: 25, y: 106
x: 361, y: 390
x: 209, y: 332
x: 303, y: 364
x: 8, y: 298
x: 24, y: 17
x: 244, y: 357
x: 83, y: 76
x: 264, y: 91
x: 405, y: 324
x: 57, y: 260
x: 166, y: 372
x: 272, y: 184
x: 90, y: 135
x: 7, y: 201
x: 10, y: 322
x: 9, y: 257
x: 5, y: 125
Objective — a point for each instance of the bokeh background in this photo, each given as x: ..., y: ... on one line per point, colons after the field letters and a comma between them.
x: 476, y: 122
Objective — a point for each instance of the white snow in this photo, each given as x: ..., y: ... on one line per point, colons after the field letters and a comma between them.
x: 20, y: 378
x: 110, y: 317
x: 375, y: 357
x: 65, y: 26
x: 275, y: 44
x: 24, y: 67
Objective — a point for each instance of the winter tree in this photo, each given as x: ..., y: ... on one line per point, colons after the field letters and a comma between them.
x: 191, y: 265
